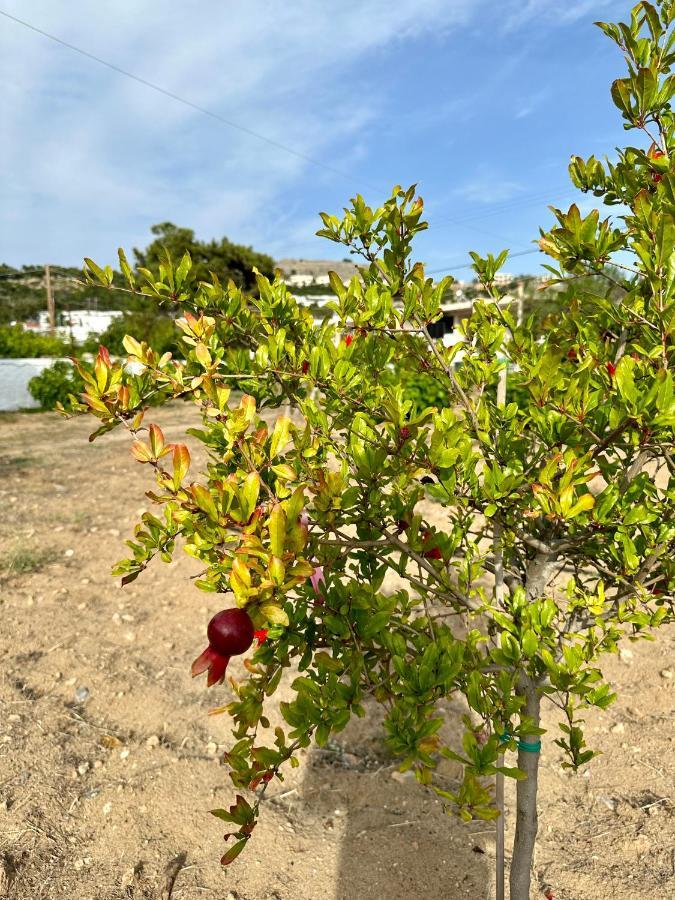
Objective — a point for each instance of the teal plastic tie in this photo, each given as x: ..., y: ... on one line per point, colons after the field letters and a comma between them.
x: 529, y: 748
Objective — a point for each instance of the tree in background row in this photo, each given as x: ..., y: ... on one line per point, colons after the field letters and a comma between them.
x: 557, y: 534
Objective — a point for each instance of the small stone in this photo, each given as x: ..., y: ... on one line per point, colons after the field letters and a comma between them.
x: 152, y: 741
x: 609, y: 802
x: 617, y: 728
x: 82, y: 694
x: 625, y: 654
x: 115, y: 532
x: 127, y: 618
x: 350, y: 760
x: 70, y: 682
x: 84, y: 580
x: 402, y: 777
x: 69, y: 553
x: 667, y: 674
x: 124, y: 753
x: 129, y: 636
x: 107, y: 808
x: 212, y: 748
x: 98, y: 764
x: 83, y: 768
x: 14, y: 718
x: 117, y: 619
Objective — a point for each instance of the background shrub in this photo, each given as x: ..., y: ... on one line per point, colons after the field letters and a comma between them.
x: 53, y: 385
x: 15, y: 343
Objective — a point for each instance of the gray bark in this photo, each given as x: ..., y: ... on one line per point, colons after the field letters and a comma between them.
x: 526, y: 804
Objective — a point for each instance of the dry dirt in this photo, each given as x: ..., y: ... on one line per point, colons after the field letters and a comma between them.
x: 109, y: 763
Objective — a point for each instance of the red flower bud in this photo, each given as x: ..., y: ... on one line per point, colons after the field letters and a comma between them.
x: 401, y: 525
x: 657, y: 177
x: 305, y: 367
x: 230, y: 633
x: 260, y: 636
x: 572, y: 354
x: 434, y: 553
x: 611, y: 368
x: 404, y: 433
x: 348, y: 340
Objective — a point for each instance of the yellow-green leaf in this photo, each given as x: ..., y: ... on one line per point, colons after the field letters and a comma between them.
x: 141, y: 451
x: 181, y: 464
x: 583, y: 504
x: 277, y: 527
x: 156, y: 440
x: 277, y: 570
x: 274, y: 614
x: 240, y: 578
x: 280, y: 435
x: 203, y: 355
x: 204, y: 501
x: 249, y: 494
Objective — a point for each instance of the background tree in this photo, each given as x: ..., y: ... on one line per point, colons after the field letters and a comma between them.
x: 219, y: 257
x: 557, y: 534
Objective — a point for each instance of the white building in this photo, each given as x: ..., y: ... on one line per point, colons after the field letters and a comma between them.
x: 77, y: 324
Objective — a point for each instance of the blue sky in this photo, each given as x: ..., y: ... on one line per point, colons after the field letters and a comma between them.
x: 481, y: 102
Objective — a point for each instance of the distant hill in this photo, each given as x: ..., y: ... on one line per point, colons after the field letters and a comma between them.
x: 315, y: 268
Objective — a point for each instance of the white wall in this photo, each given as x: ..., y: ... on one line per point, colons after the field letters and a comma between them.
x: 14, y: 377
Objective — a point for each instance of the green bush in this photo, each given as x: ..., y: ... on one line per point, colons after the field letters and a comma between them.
x: 15, y: 343
x: 423, y: 389
x: 55, y: 384
x: 155, y: 328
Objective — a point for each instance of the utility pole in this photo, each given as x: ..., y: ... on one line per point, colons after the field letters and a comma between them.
x: 520, y: 292
x: 51, y: 309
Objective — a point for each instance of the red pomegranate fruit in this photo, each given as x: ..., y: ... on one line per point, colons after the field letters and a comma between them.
x: 230, y: 633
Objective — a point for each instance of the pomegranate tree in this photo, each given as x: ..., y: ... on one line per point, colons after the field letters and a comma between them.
x: 557, y: 535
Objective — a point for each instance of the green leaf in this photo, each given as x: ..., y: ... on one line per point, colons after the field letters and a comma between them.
x: 204, y: 501
x: 233, y: 852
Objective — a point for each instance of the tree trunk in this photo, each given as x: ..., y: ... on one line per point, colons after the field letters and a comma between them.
x: 526, y: 803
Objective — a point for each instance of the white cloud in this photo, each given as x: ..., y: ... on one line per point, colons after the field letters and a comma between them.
x: 93, y: 158
x: 488, y: 187
x: 524, y: 12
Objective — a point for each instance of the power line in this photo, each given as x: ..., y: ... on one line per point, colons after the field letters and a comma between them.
x: 497, y: 209
x: 468, y: 265
x: 195, y: 106
x: 28, y: 272
x: 216, y: 116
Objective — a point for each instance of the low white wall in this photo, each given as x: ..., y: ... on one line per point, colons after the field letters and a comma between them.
x: 14, y: 377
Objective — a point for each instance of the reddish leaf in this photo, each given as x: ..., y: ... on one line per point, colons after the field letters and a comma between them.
x: 233, y: 852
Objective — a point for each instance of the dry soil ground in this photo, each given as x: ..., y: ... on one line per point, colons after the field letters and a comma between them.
x: 108, y: 761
